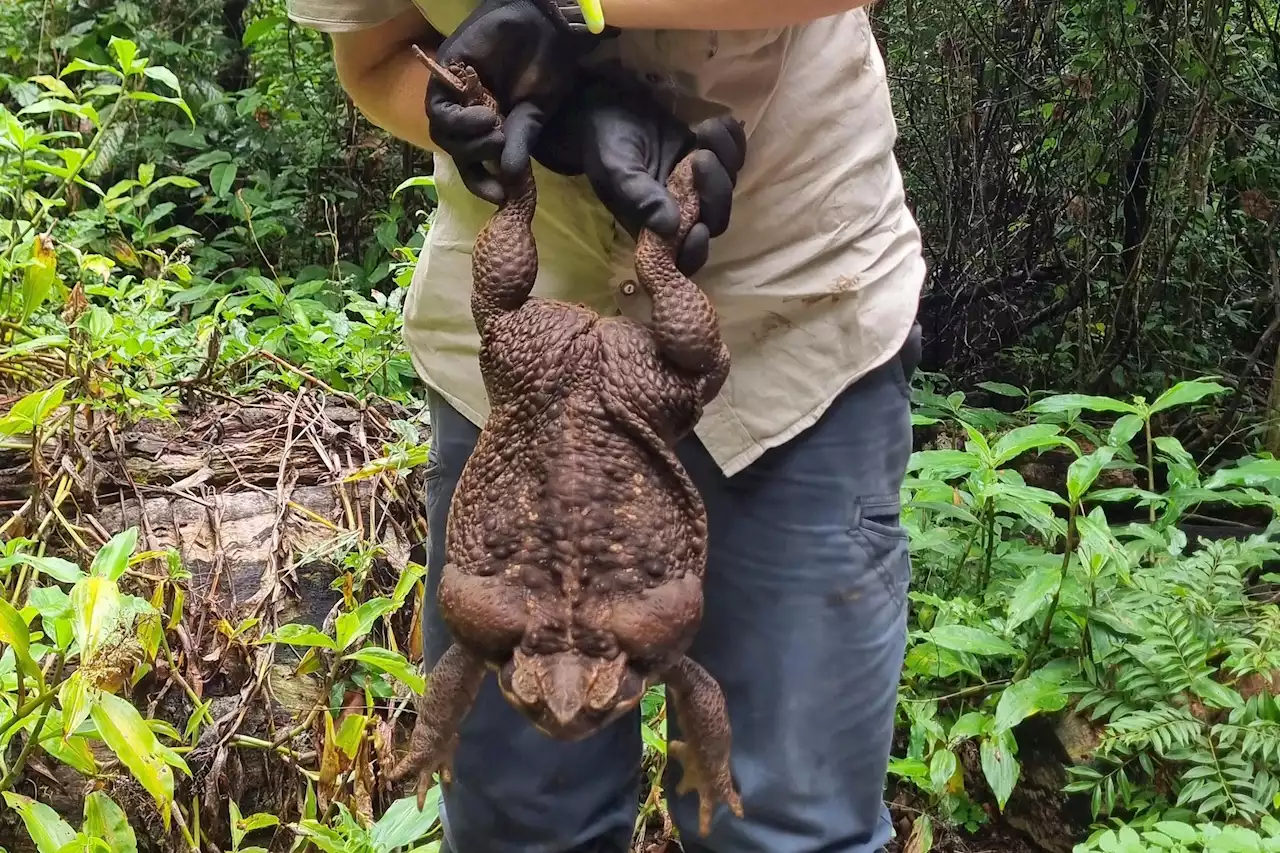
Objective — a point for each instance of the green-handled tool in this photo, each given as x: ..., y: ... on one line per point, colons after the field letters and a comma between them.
x: 593, y: 14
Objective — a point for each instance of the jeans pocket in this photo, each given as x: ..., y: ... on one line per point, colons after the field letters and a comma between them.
x: 883, y: 544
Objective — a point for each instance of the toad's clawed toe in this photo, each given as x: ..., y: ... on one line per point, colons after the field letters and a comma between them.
x: 712, y: 785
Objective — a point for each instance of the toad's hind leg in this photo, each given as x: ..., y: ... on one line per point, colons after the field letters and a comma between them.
x: 451, y: 693
x: 704, y: 753
x: 684, y: 322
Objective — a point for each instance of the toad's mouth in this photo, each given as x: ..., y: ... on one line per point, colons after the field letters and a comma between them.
x: 569, y: 695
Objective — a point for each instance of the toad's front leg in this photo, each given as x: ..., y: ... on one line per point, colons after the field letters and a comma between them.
x: 450, y: 694
x: 704, y: 753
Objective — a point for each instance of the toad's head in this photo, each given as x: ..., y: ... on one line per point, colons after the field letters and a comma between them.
x: 570, y: 695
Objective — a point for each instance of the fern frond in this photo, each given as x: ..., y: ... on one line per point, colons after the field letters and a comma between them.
x: 1160, y: 730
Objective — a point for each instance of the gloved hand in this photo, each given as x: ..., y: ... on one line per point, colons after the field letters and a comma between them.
x: 526, y: 53
x: 627, y: 145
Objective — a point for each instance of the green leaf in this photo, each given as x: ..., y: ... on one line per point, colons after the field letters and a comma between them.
x: 105, y: 820
x: 1259, y: 472
x: 1123, y: 430
x: 126, y: 53
x: 419, y: 181
x: 300, y: 635
x: 165, y: 76
x: 969, y: 725
x: 1003, y: 389
x: 1000, y: 766
x: 1026, y: 698
x: 112, y: 561
x: 1186, y: 393
x: 328, y: 840
x: 352, y: 626
x: 49, y: 831
x: 124, y: 731
x: 942, y: 767
x: 152, y: 97
x: 15, y: 634
x: 410, y: 576
x: 97, y: 605
x: 222, y: 177
x: 976, y: 641
x: 33, y: 410
x: 393, y: 664
x: 1084, y: 471
x: 1069, y: 402
x: 1032, y: 595
x: 1023, y: 439
x: 76, y: 698
x: 84, y: 65
x: 403, y: 823
x: 260, y: 28
x: 60, y: 570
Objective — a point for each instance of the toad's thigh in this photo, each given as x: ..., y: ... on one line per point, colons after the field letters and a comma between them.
x: 515, y: 789
x: 804, y: 625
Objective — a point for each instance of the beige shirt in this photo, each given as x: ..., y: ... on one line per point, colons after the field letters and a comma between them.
x: 817, y: 280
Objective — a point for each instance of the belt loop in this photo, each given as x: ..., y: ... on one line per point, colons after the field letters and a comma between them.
x: 856, y: 520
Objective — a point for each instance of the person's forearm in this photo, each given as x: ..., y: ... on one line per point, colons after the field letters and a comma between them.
x: 383, y: 77
x: 719, y: 14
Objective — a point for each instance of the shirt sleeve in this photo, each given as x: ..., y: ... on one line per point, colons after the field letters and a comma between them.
x: 344, y: 16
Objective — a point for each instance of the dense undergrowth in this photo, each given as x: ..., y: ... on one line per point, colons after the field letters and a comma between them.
x: 149, y: 254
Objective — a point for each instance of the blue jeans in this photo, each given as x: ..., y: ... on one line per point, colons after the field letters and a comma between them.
x: 804, y: 628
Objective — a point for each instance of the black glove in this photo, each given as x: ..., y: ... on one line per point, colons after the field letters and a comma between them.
x: 526, y: 54
x: 627, y: 145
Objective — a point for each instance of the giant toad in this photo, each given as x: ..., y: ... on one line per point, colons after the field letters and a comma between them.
x: 576, y: 541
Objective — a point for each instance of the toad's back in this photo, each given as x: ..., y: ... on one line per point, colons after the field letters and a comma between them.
x: 581, y: 501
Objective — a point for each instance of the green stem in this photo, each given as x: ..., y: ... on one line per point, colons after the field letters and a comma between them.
x: 27, y: 709
x: 991, y: 548
x: 34, y: 738
x: 1151, y: 468
x: 1047, y: 630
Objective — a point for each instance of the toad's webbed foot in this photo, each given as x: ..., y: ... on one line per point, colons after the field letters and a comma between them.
x: 704, y: 754
x: 450, y: 694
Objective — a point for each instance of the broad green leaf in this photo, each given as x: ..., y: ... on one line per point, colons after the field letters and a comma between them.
x: 1069, y: 402
x: 72, y: 751
x: 261, y: 27
x: 15, y: 634
x: 403, y: 823
x: 48, y: 831
x: 944, y: 464
x: 222, y: 177
x: 410, y: 576
x: 97, y: 605
x: 84, y: 65
x: 932, y: 661
x: 1032, y: 595
x: 419, y: 181
x: 350, y: 732
x: 1084, y: 471
x: 124, y: 731
x: 976, y: 641
x: 350, y: 627
x: 165, y: 76
x: 1000, y: 766
x: 1023, y: 439
x: 1186, y: 393
x: 152, y: 97
x: 33, y: 410
x: 1259, y: 472
x: 112, y: 561
x: 76, y: 699
x: 979, y: 441
x: 392, y: 663
x: 105, y: 820
x: 969, y: 725
x: 1123, y: 430
x: 942, y: 769
x: 1025, y: 698
x: 300, y: 635
x: 328, y: 840
x: 60, y: 570
x: 126, y: 53
x: 1003, y: 389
